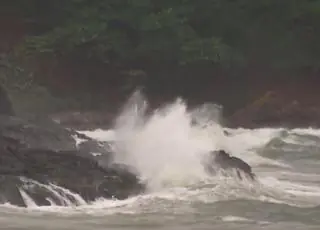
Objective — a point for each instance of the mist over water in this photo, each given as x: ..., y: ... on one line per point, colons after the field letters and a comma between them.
x: 165, y: 148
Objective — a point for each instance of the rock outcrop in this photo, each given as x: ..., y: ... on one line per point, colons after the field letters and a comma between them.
x: 274, y: 109
x: 42, y: 163
x: 221, y: 160
x: 84, y: 120
x: 5, y: 103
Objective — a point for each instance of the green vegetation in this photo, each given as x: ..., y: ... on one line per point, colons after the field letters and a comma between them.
x: 279, y: 34
x: 141, y: 39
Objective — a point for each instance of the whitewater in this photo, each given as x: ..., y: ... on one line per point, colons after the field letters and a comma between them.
x: 165, y: 147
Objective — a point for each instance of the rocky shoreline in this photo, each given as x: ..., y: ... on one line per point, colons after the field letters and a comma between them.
x: 294, y: 104
x: 42, y: 160
x: 272, y: 111
x: 46, y: 164
x: 271, y: 108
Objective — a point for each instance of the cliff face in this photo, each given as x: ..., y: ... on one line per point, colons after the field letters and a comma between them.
x: 293, y: 104
x: 248, y: 101
x: 251, y: 97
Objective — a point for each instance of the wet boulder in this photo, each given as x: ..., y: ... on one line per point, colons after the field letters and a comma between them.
x: 220, y: 160
x: 37, y: 132
x: 42, y: 164
x: 5, y: 103
x: 40, y: 133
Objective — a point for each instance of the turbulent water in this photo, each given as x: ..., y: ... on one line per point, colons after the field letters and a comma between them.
x: 165, y: 148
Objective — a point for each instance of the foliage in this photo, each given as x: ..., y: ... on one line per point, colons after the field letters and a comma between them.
x: 280, y: 34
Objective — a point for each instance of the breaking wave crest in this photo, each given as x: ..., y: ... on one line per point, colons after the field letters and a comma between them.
x: 165, y: 147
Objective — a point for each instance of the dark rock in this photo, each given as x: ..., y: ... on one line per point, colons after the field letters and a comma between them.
x: 218, y: 160
x: 37, y: 134
x: 276, y: 110
x: 9, y: 190
x: 43, y: 133
x: 5, y: 103
x: 226, y: 133
x: 42, y: 161
x: 100, y: 151
x: 88, y: 120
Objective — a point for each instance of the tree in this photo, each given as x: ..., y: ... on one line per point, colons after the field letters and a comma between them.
x: 278, y: 34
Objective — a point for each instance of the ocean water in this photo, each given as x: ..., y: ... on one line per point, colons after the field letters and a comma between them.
x: 165, y: 147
